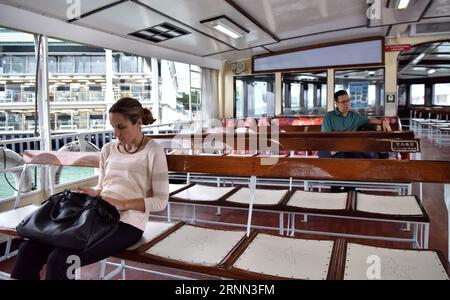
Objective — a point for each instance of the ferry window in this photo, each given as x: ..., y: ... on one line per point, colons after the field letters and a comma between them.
x: 180, y: 92
x: 441, y: 94
x: 304, y: 93
x: 239, y: 98
x: 365, y: 88
x: 417, y: 94
x: 196, y: 91
x: 254, y: 96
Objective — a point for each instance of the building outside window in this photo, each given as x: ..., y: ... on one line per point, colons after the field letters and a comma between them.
x: 78, y: 76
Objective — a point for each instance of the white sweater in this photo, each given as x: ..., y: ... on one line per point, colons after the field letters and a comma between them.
x: 130, y: 176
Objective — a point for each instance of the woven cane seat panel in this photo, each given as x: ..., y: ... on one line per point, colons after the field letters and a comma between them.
x: 10, y: 219
x: 196, y: 245
x: 395, y: 264
x: 316, y: 200
x: 388, y: 205
x: 203, y: 193
x: 262, y: 196
x: 287, y: 257
x: 152, y: 230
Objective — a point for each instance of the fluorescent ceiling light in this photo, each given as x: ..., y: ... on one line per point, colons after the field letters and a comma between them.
x: 431, y: 71
x: 226, y: 26
x: 227, y: 31
x: 402, y: 4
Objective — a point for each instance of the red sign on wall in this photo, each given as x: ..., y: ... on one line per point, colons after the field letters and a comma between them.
x: 400, y: 47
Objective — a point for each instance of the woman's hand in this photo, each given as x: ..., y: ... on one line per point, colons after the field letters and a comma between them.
x: 118, y: 204
x: 88, y: 191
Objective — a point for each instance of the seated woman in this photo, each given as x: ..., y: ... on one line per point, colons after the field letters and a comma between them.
x: 133, y: 177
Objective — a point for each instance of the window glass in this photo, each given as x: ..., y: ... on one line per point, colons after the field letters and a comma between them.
x: 417, y: 94
x: 304, y: 93
x: 365, y: 88
x: 441, y: 94
x: 255, y: 97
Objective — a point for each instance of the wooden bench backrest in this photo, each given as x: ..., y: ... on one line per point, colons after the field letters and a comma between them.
x: 306, y: 135
x: 302, y: 168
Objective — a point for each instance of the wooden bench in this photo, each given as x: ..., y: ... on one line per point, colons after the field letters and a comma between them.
x: 324, y: 169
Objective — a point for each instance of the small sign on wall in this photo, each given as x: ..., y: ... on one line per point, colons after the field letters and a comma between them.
x: 390, y: 98
x: 395, y: 48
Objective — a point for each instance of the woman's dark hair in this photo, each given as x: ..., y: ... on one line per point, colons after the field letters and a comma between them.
x: 132, y: 109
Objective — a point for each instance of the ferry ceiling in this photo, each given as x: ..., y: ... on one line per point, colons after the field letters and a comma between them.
x: 192, y: 31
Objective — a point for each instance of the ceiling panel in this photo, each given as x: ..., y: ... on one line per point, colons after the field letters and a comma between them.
x: 326, y: 37
x: 233, y: 56
x: 438, y: 8
x: 288, y: 18
x: 412, y: 13
x: 206, y: 9
x: 112, y: 21
x: 57, y: 8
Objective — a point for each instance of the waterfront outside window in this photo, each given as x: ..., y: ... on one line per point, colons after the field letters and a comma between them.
x: 304, y: 93
x: 254, y: 96
x: 441, y: 94
x: 365, y: 88
x: 417, y: 94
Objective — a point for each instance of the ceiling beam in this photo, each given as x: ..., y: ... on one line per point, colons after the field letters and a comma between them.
x: 254, y: 21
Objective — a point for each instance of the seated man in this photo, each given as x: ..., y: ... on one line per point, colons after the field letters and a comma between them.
x: 343, y: 119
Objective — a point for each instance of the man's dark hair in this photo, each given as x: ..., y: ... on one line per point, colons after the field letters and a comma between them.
x: 338, y: 94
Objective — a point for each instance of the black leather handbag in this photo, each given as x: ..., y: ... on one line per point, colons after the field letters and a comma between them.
x: 72, y: 221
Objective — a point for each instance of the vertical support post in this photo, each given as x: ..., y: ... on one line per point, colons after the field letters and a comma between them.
x: 43, y: 103
x: 281, y: 222
x: 102, y: 269
x: 169, y: 217
x: 421, y: 192
x: 427, y: 235
x: 122, y: 265
x: 250, y: 205
x: 155, y: 92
